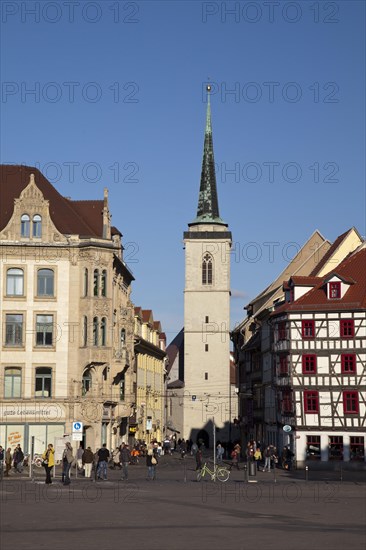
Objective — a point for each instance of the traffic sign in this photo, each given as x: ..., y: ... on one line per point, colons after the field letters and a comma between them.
x: 77, y: 437
x: 77, y: 427
x: 287, y: 428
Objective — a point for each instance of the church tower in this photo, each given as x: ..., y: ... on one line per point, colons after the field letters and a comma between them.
x: 207, y: 242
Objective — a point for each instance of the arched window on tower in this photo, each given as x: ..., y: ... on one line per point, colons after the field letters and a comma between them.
x: 207, y: 269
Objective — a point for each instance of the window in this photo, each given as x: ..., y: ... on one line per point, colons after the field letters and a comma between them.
x: 86, y: 281
x: 37, y: 226
x: 44, y: 330
x: 15, y: 282
x: 123, y: 337
x: 122, y: 387
x: 283, y: 365
x: 85, y: 331
x: 282, y: 330
x: 309, y: 364
x: 24, y: 225
x: 311, y: 401
x: 350, y: 402
x: 43, y: 382
x: 313, y: 447
x: 206, y: 375
x: 86, y: 382
x: 308, y: 328
x: 347, y: 328
x: 206, y: 319
x: 14, y: 330
x: 103, y: 332
x: 335, y: 447
x: 348, y: 363
x: 104, y: 283
x: 12, y: 382
x: 207, y: 270
x: 335, y: 290
x: 287, y: 405
x: 96, y: 283
x: 95, y: 331
x: 206, y: 347
x: 45, y: 282
x: 357, y: 448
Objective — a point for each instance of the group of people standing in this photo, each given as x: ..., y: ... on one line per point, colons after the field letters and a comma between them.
x: 8, y: 459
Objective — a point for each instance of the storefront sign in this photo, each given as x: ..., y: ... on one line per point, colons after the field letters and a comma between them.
x: 40, y: 412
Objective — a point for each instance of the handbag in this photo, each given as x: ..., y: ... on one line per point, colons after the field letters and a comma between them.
x: 153, y: 461
x: 44, y: 463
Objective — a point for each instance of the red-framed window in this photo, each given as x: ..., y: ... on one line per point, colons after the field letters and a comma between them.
x: 287, y: 403
x: 282, y: 332
x: 308, y: 328
x: 334, y: 290
x: 283, y: 370
x: 335, y: 447
x: 350, y: 402
x: 313, y: 447
x: 348, y: 363
x: 311, y: 401
x: 309, y: 364
x: 347, y: 328
x: 357, y: 448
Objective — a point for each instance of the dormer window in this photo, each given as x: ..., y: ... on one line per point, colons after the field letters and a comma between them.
x: 25, y: 225
x: 334, y: 290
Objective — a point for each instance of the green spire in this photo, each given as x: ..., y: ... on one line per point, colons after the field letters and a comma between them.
x: 208, y: 206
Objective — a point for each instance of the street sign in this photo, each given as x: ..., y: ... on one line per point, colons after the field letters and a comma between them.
x: 287, y: 428
x: 77, y: 437
x: 194, y: 397
x: 77, y: 427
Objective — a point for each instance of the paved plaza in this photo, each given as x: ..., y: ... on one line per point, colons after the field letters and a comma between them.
x: 175, y: 511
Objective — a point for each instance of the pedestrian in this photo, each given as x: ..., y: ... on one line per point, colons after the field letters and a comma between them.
x: 87, y: 460
x: 267, y: 459
x: 219, y: 453
x: 8, y: 459
x: 103, y: 457
x: 235, y: 455
x: 18, y: 458
x: 198, y: 458
x: 257, y: 457
x: 151, y: 462
x: 67, y: 460
x: 194, y: 449
x: 48, y: 463
x: 79, y: 457
x: 124, y: 458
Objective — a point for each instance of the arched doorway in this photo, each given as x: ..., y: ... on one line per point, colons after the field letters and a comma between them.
x: 203, y: 439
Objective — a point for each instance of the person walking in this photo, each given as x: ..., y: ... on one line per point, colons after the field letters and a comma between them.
x: 199, y: 458
x: 235, y: 457
x: 257, y: 457
x: 79, y: 457
x: 48, y: 458
x: 124, y: 458
x: 219, y: 453
x: 67, y: 460
x: 151, y: 462
x: 87, y: 460
x: 267, y: 459
x: 8, y: 458
x: 18, y: 458
x: 103, y: 457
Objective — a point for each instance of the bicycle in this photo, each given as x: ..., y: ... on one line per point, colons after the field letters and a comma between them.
x: 219, y: 472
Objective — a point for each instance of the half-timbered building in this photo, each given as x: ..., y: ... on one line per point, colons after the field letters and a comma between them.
x: 320, y: 363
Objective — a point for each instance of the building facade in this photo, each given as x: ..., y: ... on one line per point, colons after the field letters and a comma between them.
x: 320, y: 364
x: 148, y: 422
x: 66, y: 319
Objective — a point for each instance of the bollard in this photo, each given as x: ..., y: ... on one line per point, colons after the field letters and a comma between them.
x: 306, y: 473
x: 185, y: 471
x: 245, y: 472
x: 341, y: 472
x: 274, y: 473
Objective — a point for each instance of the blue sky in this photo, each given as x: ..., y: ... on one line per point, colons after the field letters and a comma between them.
x: 117, y: 102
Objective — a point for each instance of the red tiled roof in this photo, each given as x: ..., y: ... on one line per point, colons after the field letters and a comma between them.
x: 82, y: 218
x: 157, y: 325
x: 147, y: 316
x: 353, y: 268
x: 137, y: 310
x: 305, y: 281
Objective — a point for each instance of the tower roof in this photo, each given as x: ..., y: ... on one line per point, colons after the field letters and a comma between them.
x: 208, y: 205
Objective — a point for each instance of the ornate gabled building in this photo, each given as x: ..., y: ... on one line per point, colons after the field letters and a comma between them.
x: 204, y: 394
x: 320, y: 363
x: 66, y: 319
x: 148, y: 421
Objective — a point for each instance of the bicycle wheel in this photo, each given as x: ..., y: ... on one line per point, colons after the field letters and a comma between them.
x: 222, y: 474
